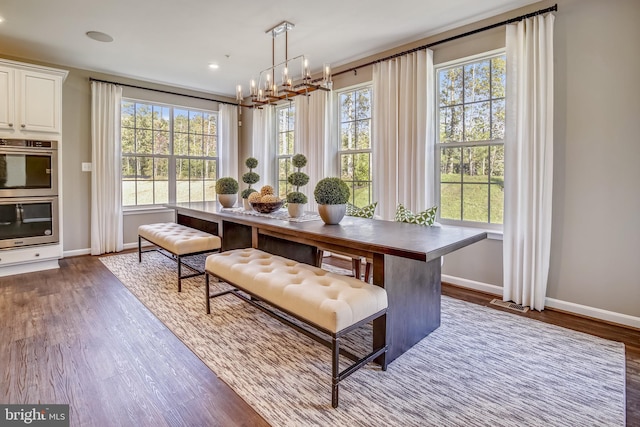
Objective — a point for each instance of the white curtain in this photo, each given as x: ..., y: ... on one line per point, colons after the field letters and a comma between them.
x: 263, y: 146
x: 106, y: 190
x: 528, y: 161
x: 312, y: 138
x: 402, y: 141
x: 228, y: 141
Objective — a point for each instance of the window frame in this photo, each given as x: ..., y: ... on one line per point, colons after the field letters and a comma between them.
x: 286, y: 157
x: 338, y: 138
x: 172, y: 158
x: 439, y: 146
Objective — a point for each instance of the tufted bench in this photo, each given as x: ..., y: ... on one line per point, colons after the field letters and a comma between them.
x: 331, y: 303
x: 179, y: 241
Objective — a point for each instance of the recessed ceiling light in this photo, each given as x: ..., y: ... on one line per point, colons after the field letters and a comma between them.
x: 1, y: 19
x: 99, y: 36
x: 214, y: 66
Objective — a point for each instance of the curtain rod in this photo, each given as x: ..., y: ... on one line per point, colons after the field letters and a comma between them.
x: 162, y: 91
x: 459, y: 36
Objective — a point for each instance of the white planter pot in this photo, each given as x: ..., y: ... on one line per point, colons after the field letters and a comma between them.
x: 227, y: 200
x: 332, y: 214
x: 296, y: 210
x: 247, y: 205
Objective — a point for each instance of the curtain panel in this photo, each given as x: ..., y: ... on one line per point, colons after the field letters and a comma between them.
x: 528, y: 161
x: 106, y: 176
x: 228, y: 141
x: 403, y: 133
x: 312, y: 138
x: 263, y: 144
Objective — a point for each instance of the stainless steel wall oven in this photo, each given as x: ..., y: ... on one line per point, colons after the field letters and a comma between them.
x: 28, y: 193
x: 28, y: 168
x: 28, y: 221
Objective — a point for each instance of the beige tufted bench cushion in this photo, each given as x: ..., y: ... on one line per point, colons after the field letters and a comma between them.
x: 180, y: 241
x: 331, y: 301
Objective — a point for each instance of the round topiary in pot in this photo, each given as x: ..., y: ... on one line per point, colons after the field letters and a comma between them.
x: 227, y: 190
x: 296, y: 200
x: 332, y: 195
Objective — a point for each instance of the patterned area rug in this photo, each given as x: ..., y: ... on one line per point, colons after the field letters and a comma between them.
x: 482, y: 367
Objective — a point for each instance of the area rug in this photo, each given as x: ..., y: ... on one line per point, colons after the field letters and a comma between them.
x: 482, y: 367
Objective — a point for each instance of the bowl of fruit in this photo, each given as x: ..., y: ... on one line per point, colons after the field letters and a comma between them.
x: 265, y: 201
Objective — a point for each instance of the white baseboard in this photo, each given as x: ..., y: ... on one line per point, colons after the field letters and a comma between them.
x: 472, y: 284
x: 582, y: 310
x: 87, y: 251
x: 76, y: 252
x: 29, y: 267
x: 597, y: 313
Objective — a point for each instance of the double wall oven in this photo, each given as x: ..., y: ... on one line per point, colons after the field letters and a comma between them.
x: 28, y: 192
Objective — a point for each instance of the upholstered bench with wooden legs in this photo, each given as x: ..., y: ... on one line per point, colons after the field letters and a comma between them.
x: 179, y: 241
x: 331, y: 303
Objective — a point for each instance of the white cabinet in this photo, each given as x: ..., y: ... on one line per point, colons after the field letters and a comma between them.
x: 30, y: 99
x: 29, y: 259
x: 31, y: 108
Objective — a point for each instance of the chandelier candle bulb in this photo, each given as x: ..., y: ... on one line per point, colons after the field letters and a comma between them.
x: 306, y: 72
x: 326, y: 73
x: 285, y: 76
x: 239, y: 93
x: 253, y: 89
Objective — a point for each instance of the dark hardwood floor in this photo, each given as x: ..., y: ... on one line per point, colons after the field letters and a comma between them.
x: 77, y: 336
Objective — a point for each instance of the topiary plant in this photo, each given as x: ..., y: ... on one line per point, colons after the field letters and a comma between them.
x: 250, y: 177
x: 247, y: 191
x: 226, y: 185
x: 298, y: 179
x: 331, y: 191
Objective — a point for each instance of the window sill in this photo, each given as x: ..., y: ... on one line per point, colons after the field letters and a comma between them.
x: 492, y: 233
x: 144, y: 211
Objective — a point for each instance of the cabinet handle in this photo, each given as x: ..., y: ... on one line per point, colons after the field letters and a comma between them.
x: 37, y: 254
x: 23, y: 126
x: 10, y: 125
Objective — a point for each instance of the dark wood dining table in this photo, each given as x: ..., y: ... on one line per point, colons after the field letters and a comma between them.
x: 406, y: 257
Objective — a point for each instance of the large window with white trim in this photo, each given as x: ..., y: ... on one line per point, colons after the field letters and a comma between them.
x: 169, y: 154
x: 355, y: 150
x: 471, y: 110
x: 285, y: 127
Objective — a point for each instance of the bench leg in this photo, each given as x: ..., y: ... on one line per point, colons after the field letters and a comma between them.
x: 206, y: 292
x: 139, y: 249
x: 179, y: 273
x: 335, y: 370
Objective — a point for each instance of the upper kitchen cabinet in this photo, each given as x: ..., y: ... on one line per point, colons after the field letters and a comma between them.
x: 30, y: 99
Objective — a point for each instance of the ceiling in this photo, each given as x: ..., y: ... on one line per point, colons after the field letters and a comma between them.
x: 173, y: 42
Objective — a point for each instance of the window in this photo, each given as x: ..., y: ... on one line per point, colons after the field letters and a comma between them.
x: 286, y: 115
x: 355, y: 143
x: 169, y: 154
x: 471, y: 140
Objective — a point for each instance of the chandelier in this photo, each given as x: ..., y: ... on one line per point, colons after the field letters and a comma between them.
x: 285, y: 80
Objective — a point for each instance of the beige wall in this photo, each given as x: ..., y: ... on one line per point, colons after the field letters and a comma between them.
x: 596, y: 235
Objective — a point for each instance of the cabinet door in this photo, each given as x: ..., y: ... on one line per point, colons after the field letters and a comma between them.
x: 40, y: 102
x: 7, y: 97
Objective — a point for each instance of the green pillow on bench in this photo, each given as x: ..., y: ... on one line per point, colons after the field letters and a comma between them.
x: 427, y: 217
x: 365, y: 212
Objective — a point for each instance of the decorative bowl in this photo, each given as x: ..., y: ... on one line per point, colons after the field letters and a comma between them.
x: 267, y: 207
